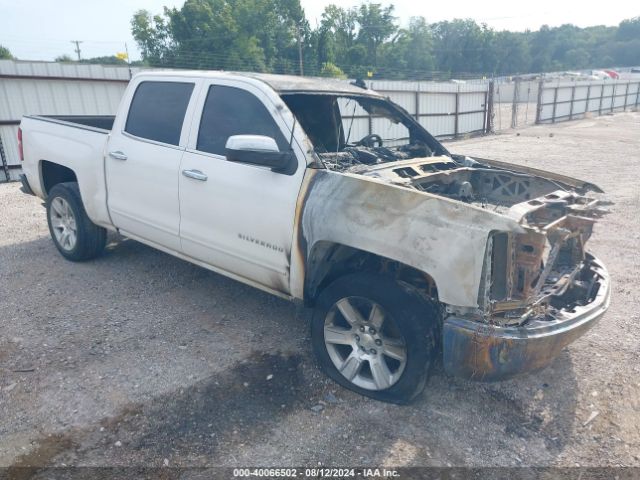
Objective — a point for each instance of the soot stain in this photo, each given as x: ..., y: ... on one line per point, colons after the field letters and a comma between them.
x: 240, y: 404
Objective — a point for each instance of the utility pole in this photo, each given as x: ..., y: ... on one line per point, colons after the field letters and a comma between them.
x: 77, y: 44
x: 300, y: 50
x: 126, y: 49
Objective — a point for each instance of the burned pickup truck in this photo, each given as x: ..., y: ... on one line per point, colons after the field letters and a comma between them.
x: 405, y: 251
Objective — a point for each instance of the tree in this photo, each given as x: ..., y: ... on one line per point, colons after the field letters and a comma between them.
x: 151, y: 33
x: 512, y: 54
x: 64, y: 58
x: 330, y: 70
x: 259, y: 35
x: 462, y: 45
x: 106, y: 60
x: 409, y: 51
x: 629, y: 29
x: 5, y: 54
x: 376, y: 25
x: 267, y: 35
x: 337, y: 34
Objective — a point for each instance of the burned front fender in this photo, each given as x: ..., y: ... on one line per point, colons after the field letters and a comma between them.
x: 481, y: 351
x: 442, y: 237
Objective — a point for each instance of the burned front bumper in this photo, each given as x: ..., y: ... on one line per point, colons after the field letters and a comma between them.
x: 485, y: 352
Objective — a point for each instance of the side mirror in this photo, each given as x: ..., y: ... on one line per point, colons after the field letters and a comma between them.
x: 258, y: 150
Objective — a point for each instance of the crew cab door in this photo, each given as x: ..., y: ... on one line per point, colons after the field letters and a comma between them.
x: 238, y: 217
x: 143, y: 157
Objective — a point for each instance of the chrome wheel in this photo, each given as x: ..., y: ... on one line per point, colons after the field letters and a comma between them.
x: 364, y: 343
x: 63, y: 224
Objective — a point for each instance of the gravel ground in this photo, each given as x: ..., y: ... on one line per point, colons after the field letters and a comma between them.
x: 142, y: 359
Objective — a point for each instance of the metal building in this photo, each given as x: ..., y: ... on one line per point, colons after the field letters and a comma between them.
x: 48, y: 88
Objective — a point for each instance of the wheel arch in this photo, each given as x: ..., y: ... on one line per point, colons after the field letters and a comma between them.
x: 328, y: 261
x: 52, y: 174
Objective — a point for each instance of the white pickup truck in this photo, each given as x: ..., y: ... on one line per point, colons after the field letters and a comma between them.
x: 407, y: 253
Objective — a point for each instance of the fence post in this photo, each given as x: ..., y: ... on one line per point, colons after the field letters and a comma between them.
x: 555, y: 104
x: 601, y: 97
x: 613, y: 97
x: 573, y: 95
x: 637, y: 94
x: 586, y: 107
x: 514, y: 103
x: 626, y: 94
x: 417, y: 99
x: 455, y: 134
x: 539, y: 105
x: 3, y: 162
x: 488, y: 108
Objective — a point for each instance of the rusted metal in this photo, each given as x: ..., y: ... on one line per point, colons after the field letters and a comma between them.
x: 486, y: 352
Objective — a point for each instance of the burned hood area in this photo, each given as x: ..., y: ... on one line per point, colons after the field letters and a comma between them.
x: 535, y: 268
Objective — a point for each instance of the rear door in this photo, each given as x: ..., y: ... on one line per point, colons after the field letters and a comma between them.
x: 234, y: 216
x: 143, y: 160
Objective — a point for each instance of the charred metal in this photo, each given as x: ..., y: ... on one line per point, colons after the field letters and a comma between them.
x: 501, y: 248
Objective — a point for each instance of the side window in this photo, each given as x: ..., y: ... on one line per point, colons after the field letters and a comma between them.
x: 157, y: 111
x: 232, y: 111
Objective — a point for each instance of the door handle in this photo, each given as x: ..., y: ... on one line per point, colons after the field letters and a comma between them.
x: 118, y: 155
x: 195, y: 174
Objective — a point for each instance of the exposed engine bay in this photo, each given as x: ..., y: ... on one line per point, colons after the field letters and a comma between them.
x: 540, y: 275
x: 359, y: 155
x: 465, y: 180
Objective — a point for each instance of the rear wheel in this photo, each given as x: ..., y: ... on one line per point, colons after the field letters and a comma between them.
x: 75, y: 236
x: 375, y: 336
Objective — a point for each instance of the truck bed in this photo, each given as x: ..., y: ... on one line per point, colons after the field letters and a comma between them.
x: 98, y: 122
x: 74, y: 147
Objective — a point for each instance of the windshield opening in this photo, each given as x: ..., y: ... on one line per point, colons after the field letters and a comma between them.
x: 347, y: 131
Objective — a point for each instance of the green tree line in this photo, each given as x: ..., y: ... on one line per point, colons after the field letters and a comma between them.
x: 364, y: 41
x: 367, y: 40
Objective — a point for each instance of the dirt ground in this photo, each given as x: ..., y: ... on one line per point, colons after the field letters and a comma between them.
x: 139, y: 358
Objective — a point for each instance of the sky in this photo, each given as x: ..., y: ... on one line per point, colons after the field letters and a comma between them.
x: 44, y: 29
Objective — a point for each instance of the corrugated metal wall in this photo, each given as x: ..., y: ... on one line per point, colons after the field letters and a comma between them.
x: 47, y: 88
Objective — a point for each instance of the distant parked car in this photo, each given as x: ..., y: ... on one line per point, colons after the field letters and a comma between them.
x: 600, y: 75
x: 613, y: 74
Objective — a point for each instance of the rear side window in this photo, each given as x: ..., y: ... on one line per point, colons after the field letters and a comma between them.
x: 157, y: 111
x: 232, y: 111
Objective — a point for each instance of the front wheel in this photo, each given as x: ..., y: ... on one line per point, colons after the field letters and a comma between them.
x: 375, y: 336
x: 75, y: 236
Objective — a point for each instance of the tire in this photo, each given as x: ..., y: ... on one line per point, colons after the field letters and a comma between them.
x: 406, y: 341
x: 75, y: 236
